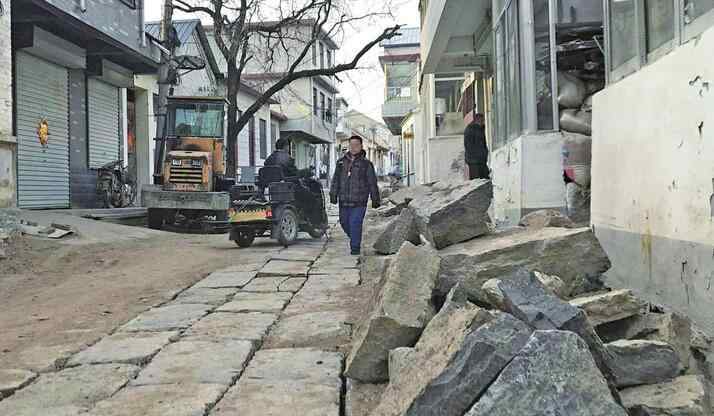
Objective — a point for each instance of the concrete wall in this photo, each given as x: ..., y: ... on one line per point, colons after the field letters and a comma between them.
x: 653, y: 179
x: 112, y: 17
x: 445, y: 152
x: 8, y: 182
x: 527, y: 176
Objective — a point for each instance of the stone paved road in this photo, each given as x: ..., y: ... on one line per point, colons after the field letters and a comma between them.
x: 264, y: 338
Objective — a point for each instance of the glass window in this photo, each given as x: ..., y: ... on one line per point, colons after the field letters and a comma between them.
x: 329, y: 58
x: 500, y: 86
x: 322, y: 105
x: 322, y: 55
x: 623, y: 32
x: 329, y: 110
x: 130, y: 3
x: 696, y: 8
x: 273, y: 134
x: 513, y: 71
x: 263, y: 126
x: 543, y: 73
x: 314, y: 54
x: 196, y: 120
x: 447, y: 103
x: 314, y: 101
x: 660, y: 23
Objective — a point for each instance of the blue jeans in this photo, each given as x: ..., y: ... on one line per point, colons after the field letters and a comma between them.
x: 351, y: 219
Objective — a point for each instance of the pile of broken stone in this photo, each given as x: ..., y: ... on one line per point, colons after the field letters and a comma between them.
x: 467, y: 320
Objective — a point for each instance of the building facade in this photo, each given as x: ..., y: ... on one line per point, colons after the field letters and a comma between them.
x: 306, y: 107
x: 376, y: 140
x: 8, y: 142
x: 400, y: 64
x: 653, y: 153
x: 531, y: 66
x: 73, y: 87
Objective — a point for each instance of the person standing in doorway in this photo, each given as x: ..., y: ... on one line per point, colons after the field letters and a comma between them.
x: 353, y: 183
x: 476, y: 150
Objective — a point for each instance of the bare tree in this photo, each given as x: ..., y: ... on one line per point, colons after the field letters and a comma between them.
x: 239, y: 25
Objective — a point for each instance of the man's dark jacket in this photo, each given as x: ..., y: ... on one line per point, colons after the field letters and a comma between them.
x: 354, y: 182
x: 282, y: 158
x: 475, y: 144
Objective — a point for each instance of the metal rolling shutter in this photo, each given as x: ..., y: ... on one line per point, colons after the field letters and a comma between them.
x: 42, y: 92
x: 103, y: 108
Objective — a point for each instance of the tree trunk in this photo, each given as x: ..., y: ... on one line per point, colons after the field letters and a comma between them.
x: 232, y: 82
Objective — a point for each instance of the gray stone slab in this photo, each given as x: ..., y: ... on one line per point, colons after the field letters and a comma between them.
x: 362, y: 398
x: 252, y: 326
x: 252, y: 265
x: 206, y: 296
x: 167, y: 318
x: 317, y: 329
x: 68, y: 392
x: 124, y: 347
x: 309, y: 254
x: 226, y: 279
x: 285, y: 268
x: 267, y: 284
x: 280, y: 382
x: 257, y: 302
x: 14, y: 379
x: 683, y: 396
x: 611, y: 306
x: 637, y: 362
x: 197, y: 362
x: 292, y: 284
x: 161, y: 400
x: 553, y: 374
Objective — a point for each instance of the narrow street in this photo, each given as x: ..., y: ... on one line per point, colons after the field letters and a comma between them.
x: 259, y: 337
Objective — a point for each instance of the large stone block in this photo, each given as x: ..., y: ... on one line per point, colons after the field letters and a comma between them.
x: 361, y: 398
x: 197, y: 362
x: 546, y: 218
x: 401, y: 312
x: 68, y: 392
x: 455, y: 213
x: 671, y: 328
x: 405, y: 195
x: 683, y: 396
x: 574, y: 255
x: 554, y: 374
x: 611, y: 306
x: 461, y: 352
x: 167, y: 318
x: 124, y: 347
x: 185, y: 399
x: 526, y: 298
x: 642, y: 362
x: 400, y: 229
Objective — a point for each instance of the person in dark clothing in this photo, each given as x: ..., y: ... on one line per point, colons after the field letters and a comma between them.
x: 281, y: 157
x: 476, y: 150
x: 353, y: 183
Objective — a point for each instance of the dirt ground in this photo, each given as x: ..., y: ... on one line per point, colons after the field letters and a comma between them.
x: 55, y: 297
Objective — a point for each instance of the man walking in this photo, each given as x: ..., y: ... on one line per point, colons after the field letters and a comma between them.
x: 476, y: 150
x: 353, y: 183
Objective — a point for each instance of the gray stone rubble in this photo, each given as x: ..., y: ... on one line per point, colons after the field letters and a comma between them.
x: 456, y: 320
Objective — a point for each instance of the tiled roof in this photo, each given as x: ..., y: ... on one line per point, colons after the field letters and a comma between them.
x: 408, y: 36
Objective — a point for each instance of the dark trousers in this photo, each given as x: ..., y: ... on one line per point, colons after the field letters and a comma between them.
x: 478, y: 171
x: 351, y: 219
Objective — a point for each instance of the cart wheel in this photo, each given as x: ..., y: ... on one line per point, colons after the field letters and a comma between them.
x: 287, y: 227
x: 245, y: 238
x: 155, y: 218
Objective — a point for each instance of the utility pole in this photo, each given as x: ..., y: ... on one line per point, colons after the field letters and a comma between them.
x: 166, y: 38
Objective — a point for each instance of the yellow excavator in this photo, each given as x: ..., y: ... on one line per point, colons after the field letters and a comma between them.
x: 191, y: 188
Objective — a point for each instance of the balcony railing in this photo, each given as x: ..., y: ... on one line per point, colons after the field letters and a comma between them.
x: 398, y: 106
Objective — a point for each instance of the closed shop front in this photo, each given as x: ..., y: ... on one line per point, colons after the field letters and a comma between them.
x: 42, y: 122
x: 104, y: 117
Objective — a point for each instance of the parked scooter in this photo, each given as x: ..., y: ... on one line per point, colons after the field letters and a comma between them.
x: 115, y: 187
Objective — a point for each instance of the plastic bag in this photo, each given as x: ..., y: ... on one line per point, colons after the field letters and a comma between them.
x: 571, y: 90
x: 576, y: 121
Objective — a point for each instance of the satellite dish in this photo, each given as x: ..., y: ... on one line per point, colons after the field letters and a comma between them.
x: 189, y: 63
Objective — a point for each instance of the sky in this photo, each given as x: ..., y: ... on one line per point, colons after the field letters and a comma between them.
x: 363, y: 88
